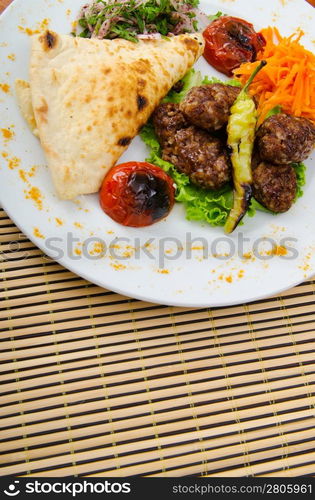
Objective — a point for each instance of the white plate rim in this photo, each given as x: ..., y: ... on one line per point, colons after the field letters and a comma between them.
x: 135, y: 294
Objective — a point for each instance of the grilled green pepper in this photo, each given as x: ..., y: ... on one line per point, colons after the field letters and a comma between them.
x: 241, y: 133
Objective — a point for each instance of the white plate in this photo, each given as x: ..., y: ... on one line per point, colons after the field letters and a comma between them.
x: 173, y: 262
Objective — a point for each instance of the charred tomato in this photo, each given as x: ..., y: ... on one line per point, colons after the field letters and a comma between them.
x: 231, y: 41
x: 137, y: 194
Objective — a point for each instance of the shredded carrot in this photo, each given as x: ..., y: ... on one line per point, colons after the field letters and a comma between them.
x: 288, y: 79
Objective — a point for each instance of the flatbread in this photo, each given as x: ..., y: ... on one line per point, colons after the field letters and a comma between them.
x: 90, y: 98
x: 24, y: 97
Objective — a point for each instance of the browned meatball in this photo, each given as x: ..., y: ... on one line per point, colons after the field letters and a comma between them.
x: 256, y: 160
x: 208, y: 106
x: 274, y: 186
x: 167, y: 119
x: 200, y: 156
x: 284, y: 139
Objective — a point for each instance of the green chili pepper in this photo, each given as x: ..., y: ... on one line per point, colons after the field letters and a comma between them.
x: 241, y: 134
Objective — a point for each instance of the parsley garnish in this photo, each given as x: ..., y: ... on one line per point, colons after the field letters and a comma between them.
x: 117, y: 19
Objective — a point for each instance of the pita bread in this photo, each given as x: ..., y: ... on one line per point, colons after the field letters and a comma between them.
x: 24, y: 96
x: 90, y: 98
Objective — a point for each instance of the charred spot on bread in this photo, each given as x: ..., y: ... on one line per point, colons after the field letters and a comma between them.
x: 141, y: 102
x: 191, y: 44
x: 142, y: 66
x: 124, y: 141
x: 141, y: 83
x: 49, y: 40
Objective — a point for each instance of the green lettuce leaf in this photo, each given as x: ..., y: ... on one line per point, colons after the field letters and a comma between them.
x: 209, y: 81
x: 300, y: 172
x: 192, y: 79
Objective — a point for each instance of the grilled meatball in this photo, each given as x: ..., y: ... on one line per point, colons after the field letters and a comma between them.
x: 167, y: 119
x: 274, y: 186
x: 208, y: 106
x: 200, y: 156
x: 284, y: 139
x: 256, y: 160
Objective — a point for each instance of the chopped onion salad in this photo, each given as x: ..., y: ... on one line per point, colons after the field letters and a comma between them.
x: 136, y: 19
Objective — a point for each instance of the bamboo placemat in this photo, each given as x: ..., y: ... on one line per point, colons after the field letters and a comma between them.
x: 94, y: 383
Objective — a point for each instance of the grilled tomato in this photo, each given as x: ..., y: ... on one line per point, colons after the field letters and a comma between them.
x: 231, y: 41
x: 137, y: 194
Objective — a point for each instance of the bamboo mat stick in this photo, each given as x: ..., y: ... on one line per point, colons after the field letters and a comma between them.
x: 223, y: 447
x: 169, y: 356
x: 235, y: 379
x: 181, y: 399
x: 269, y: 459
x: 149, y: 349
x: 259, y: 468
x: 74, y: 398
x: 160, y: 425
x: 122, y: 465
x: 137, y: 364
x: 270, y: 426
x: 274, y: 328
x: 304, y: 470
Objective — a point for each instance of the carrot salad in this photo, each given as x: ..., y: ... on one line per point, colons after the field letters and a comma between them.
x: 288, y: 79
